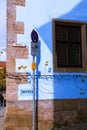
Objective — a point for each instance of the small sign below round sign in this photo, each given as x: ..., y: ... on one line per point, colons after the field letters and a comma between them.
x: 34, y: 36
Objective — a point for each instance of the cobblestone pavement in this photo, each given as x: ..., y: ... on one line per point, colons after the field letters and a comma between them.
x: 2, y: 114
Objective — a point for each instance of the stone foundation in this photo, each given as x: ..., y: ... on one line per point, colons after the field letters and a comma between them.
x: 49, y: 113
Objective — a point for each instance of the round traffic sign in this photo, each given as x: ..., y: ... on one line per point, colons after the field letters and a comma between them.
x: 34, y: 36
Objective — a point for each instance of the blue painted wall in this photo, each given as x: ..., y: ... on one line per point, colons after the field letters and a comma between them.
x: 38, y: 15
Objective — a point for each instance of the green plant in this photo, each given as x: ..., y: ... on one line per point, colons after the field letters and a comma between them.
x: 2, y: 78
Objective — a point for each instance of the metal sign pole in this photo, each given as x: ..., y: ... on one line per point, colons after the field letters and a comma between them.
x: 34, y: 52
x: 34, y: 103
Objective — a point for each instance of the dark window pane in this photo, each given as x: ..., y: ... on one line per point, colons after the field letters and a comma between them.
x: 68, y: 45
x: 61, y: 33
x: 74, y: 55
x: 62, y: 52
x: 74, y: 34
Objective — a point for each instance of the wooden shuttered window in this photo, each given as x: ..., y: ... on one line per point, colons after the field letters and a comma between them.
x: 68, y: 45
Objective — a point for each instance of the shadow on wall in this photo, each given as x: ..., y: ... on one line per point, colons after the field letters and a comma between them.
x: 77, y: 13
x: 66, y: 87
x: 38, y: 73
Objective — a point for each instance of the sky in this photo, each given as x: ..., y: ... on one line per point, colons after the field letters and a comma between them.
x: 3, y: 30
x: 3, y: 24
